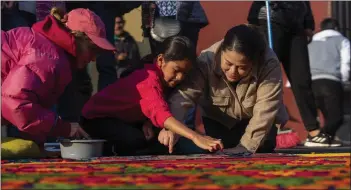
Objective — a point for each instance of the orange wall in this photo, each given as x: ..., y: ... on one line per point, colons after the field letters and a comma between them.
x: 224, y: 15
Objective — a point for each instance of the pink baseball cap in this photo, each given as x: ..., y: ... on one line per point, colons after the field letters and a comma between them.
x: 87, y: 21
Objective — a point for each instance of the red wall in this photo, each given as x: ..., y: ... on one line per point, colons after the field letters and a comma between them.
x: 224, y: 15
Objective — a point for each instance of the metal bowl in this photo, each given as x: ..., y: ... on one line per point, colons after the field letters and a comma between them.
x: 81, y: 149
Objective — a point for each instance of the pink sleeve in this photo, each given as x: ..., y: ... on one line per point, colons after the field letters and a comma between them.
x: 21, y: 105
x: 152, y: 102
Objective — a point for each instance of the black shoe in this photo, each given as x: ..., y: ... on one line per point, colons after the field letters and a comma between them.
x: 321, y: 140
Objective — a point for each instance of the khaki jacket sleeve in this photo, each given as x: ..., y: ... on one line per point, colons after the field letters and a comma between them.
x: 189, y: 91
x: 268, y: 103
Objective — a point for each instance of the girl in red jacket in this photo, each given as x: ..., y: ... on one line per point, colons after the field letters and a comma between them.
x: 121, y: 112
x: 36, y: 66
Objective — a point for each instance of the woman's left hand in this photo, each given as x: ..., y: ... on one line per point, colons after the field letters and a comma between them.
x: 309, y: 34
x: 237, y: 151
x: 78, y: 132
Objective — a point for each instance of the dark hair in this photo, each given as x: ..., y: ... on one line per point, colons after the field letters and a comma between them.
x: 177, y: 48
x: 329, y: 23
x: 247, y: 40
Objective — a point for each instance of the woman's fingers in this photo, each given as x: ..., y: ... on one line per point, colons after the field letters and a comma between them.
x: 211, y: 149
x: 81, y: 132
x: 85, y: 134
x: 219, y: 144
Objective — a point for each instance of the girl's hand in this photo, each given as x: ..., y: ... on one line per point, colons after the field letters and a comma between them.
x: 147, y: 129
x: 208, y: 143
x: 168, y: 138
x: 78, y: 132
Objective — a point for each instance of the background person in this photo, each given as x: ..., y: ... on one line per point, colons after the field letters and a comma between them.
x: 36, y: 66
x: 329, y: 54
x: 237, y: 84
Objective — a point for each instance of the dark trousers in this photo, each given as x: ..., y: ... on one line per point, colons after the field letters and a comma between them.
x: 76, y: 94
x: 105, y: 63
x: 329, y: 99
x: 230, y: 137
x: 191, y: 31
x: 122, y: 138
x: 291, y: 49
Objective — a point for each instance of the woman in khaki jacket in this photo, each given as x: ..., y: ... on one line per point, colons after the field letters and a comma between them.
x: 237, y: 86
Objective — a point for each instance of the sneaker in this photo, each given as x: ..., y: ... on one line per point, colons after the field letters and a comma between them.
x: 321, y: 140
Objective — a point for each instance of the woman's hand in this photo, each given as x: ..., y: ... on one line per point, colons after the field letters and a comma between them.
x: 309, y: 35
x: 168, y: 138
x: 147, y: 129
x: 239, y: 150
x: 78, y: 132
x: 208, y: 143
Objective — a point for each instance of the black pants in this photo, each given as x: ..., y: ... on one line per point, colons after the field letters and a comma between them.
x: 230, y: 137
x: 291, y: 49
x: 329, y: 99
x: 76, y: 94
x: 191, y: 31
x: 123, y: 139
x: 105, y: 63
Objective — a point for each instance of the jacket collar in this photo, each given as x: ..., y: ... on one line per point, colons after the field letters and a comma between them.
x: 325, y: 34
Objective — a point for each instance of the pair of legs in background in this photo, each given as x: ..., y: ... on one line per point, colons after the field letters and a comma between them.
x: 329, y: 99
x: 128, y: 139
x: 291, y: 48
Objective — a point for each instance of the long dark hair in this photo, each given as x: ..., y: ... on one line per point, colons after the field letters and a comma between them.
x: 247, y: 40
x: 178, y: 48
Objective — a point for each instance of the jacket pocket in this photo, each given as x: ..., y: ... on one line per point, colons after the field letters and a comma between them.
x: 220, y: 100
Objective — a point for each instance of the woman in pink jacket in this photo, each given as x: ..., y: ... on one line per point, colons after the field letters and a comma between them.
x: 36, y: 66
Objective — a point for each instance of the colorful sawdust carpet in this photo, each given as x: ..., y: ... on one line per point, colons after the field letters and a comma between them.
x: 260, y: 171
